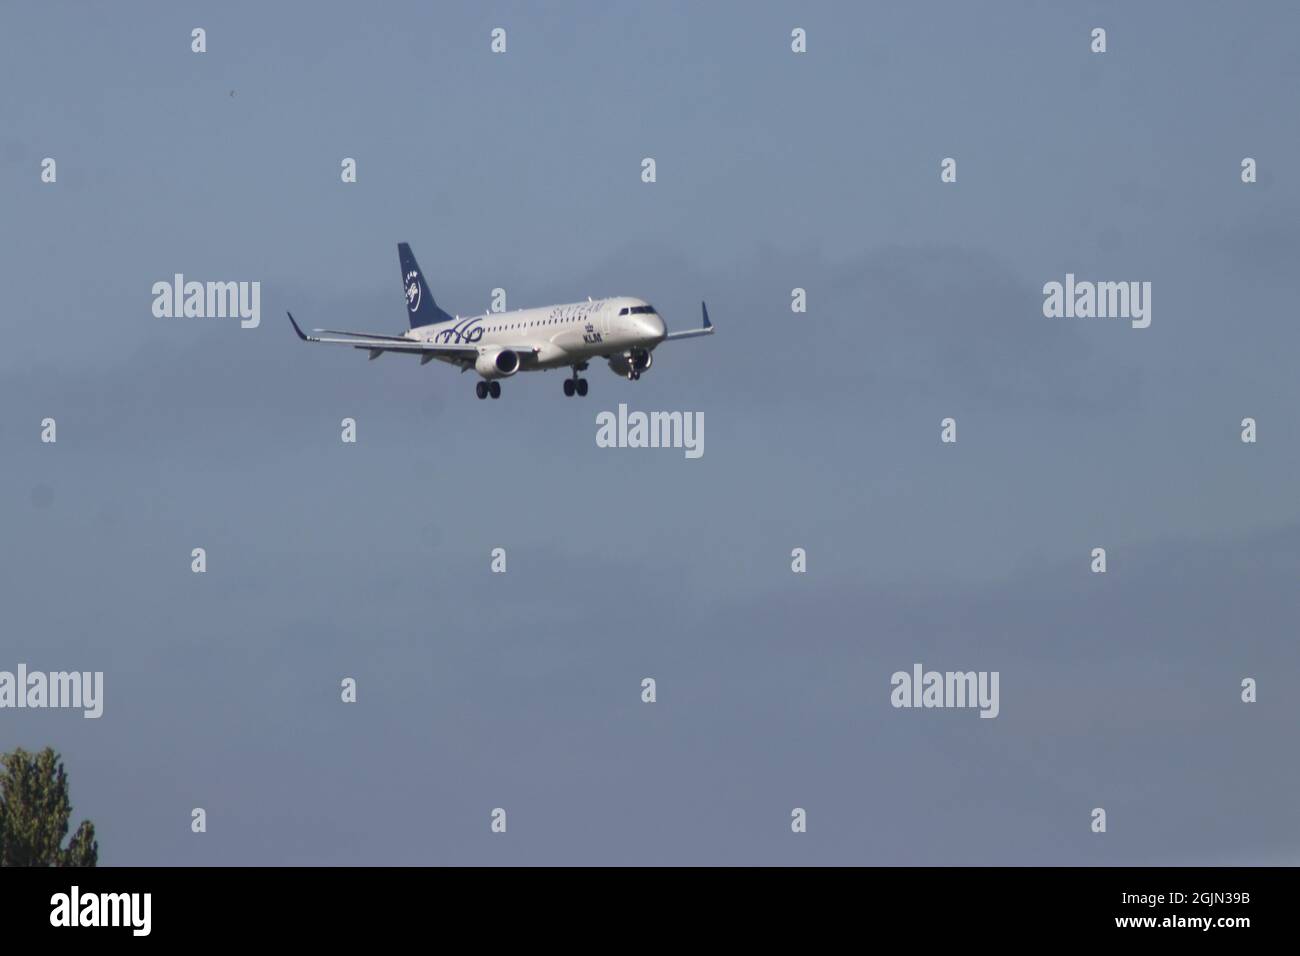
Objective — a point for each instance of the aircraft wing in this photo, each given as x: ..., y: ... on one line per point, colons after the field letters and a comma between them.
x: 376, y: 345
x: 363, y: 335
x: 706, y: 329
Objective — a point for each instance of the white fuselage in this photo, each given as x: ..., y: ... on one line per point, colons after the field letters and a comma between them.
x: 562, y: 335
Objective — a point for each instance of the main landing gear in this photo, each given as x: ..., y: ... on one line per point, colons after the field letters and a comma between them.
x: 484, y: 389
x: 576, y: 385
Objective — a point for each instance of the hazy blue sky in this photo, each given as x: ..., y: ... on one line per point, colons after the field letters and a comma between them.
x: 775, y: 170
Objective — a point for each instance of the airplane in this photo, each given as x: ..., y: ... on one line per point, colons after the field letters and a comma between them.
x: 623, y: 330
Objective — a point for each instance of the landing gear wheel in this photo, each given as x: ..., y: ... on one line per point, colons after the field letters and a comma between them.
x: 581, y: 386
x: 636, y: 376
x: 495, y: 389
x: 481, y: 389
x: 568, y: 387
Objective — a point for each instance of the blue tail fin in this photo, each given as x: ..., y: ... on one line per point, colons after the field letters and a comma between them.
x: 419, y: 300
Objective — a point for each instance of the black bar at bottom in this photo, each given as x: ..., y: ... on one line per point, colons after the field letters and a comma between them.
x: 663, y: 905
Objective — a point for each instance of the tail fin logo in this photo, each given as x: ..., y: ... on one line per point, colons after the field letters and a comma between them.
x: 412, y: 290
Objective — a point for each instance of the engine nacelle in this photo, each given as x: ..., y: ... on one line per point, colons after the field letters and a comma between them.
x: 499, y: 364
x: 631, y: 363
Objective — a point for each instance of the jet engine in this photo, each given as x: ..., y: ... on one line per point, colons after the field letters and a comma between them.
x: 499, y: 364
x: 631, y: 363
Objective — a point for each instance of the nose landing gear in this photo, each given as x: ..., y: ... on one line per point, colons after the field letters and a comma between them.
x: 484, y: 389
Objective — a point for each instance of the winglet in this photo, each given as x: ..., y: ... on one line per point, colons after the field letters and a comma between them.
x: 705, y: 329
x: 301, y: 334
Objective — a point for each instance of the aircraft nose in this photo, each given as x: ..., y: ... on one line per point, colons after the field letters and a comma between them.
x: 651, y: 326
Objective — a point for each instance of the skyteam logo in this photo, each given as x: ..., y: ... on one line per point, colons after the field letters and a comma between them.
x: 465, y: 331
x: 412, y: 290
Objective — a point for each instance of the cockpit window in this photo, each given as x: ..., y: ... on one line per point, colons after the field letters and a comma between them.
x: 622, y: 311
x: 642, y: 310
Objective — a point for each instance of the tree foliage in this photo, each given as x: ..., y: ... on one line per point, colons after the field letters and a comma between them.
x: 34, y: 814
